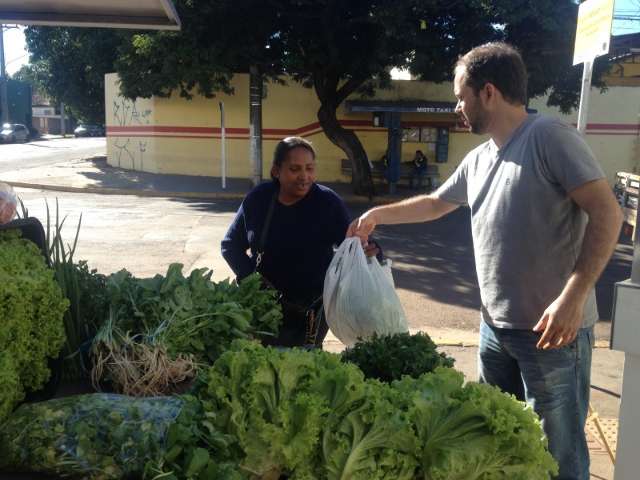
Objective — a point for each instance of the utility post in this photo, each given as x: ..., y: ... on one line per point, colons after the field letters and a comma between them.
x: 63, y: 126
x: 4, y: 101
x: 255, y: 124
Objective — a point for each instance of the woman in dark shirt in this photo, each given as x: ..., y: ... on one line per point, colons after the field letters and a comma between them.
x: 306, y: 221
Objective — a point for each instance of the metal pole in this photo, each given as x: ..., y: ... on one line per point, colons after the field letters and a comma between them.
x: 223, y: 147
x: 4, y: 101
x: 255, y: 124
x: 63, y: 127
x: 584, y: 96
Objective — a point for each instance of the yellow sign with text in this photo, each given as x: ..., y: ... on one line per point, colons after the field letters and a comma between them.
x: 593, y: 33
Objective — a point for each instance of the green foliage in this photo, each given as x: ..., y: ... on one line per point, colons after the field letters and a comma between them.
x: 31, y: 309
x: 276, y: 402
x: 201, y: 59
x: 251, y: 294
x: 308, y: 415
x: 338, y: 48
x: 473, y: 432
x: 98, y: 436
x: 84, y: 288
x: 31, y: 74
x: 389, y: 357
x: 93, y: 299
x: 69, y: 64
x: 195, y: 450
x: 267, y: 413
x: 345, y: 48
x: 189, y: 315
x: 371, y: 440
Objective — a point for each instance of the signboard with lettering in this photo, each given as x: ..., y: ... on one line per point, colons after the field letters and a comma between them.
x: 593, y: 32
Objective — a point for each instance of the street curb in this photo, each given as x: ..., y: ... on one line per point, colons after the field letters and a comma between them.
x: 337, y: 345
x: 155, y: 193
x: 599, y: 344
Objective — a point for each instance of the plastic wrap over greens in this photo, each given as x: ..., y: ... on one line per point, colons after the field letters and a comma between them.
x: 97, y: 436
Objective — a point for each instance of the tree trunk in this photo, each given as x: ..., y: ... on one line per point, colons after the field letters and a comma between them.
x: 349, y: 142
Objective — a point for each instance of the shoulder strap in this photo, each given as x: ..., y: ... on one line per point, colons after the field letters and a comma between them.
x: 265, y: 229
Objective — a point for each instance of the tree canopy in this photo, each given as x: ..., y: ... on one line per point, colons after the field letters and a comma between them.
x: 338, y: 48
x: 69, y: 64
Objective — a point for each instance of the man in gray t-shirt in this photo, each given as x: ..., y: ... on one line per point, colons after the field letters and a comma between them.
x: 527, y: 232
x: 544, y: 224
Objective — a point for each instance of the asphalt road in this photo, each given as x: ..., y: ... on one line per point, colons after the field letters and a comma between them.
x: 14, y: 156
x: 433, y: 263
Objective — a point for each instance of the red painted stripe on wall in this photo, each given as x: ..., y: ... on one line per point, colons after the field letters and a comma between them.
x: 313, y: 129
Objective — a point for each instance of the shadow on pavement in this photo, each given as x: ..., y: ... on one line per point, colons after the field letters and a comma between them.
x: 113, y: 177
x: 208, y: 205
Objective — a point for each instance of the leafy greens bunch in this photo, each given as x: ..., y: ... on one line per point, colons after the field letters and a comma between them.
x: 195, y: 449
x: 175, y: 321
x: 31, y: 319
x: 200, y: 316
x: 308, y: 415
x: 390, y: 357
x: 473, y: 431
x: 97, y: 436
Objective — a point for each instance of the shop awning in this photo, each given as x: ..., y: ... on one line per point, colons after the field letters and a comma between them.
x: 136, y: 14
x: 411, y: 106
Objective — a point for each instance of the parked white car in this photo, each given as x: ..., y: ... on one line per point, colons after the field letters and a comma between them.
x: 14, y: 132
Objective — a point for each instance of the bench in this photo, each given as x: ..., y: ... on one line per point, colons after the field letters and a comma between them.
x: 406, y: 168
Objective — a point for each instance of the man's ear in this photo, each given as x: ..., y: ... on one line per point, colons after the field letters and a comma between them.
x: 490, y: 93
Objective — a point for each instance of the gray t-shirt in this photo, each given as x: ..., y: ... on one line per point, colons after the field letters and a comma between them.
x: 527, y: 232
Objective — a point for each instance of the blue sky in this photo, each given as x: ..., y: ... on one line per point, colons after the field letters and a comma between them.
x: 16, y: 54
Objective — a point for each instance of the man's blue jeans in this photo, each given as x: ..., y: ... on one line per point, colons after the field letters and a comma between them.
x: 554, y: 382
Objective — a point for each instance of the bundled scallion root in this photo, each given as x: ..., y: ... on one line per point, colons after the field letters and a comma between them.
x: 136, y: 367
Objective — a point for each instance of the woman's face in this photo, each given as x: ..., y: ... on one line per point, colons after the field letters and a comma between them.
x: 296, y: 174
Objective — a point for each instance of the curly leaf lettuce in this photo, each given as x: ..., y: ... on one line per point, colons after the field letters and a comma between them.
x: 276, y: 403
x: 32, y: 328
x: 372, y: 441
x: 473, y: 431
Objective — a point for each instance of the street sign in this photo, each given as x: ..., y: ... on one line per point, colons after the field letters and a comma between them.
x: 593, y: 33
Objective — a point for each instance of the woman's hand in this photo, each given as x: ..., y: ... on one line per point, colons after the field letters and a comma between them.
x: 371, y: 249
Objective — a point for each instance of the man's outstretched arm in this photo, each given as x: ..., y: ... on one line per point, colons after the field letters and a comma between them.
x: 421, y: 208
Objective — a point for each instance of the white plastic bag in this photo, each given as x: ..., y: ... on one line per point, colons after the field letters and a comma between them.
x: 359, y: 296
x: 8, y: 203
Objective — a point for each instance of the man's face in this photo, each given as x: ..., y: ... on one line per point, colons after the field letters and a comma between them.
x: 469, y: 105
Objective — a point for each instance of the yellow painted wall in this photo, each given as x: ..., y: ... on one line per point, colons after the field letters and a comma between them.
x: 626, y: 72
x: 288, y: 108
x: 618, y: 106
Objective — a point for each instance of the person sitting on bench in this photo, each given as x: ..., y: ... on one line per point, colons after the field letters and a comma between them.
x: 419, y: 169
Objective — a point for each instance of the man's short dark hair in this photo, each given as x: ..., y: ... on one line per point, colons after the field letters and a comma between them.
x: 497, y: 63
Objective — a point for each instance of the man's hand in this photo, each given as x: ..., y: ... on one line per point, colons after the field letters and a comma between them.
x: 362, y: 227
x: 560, y: 322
